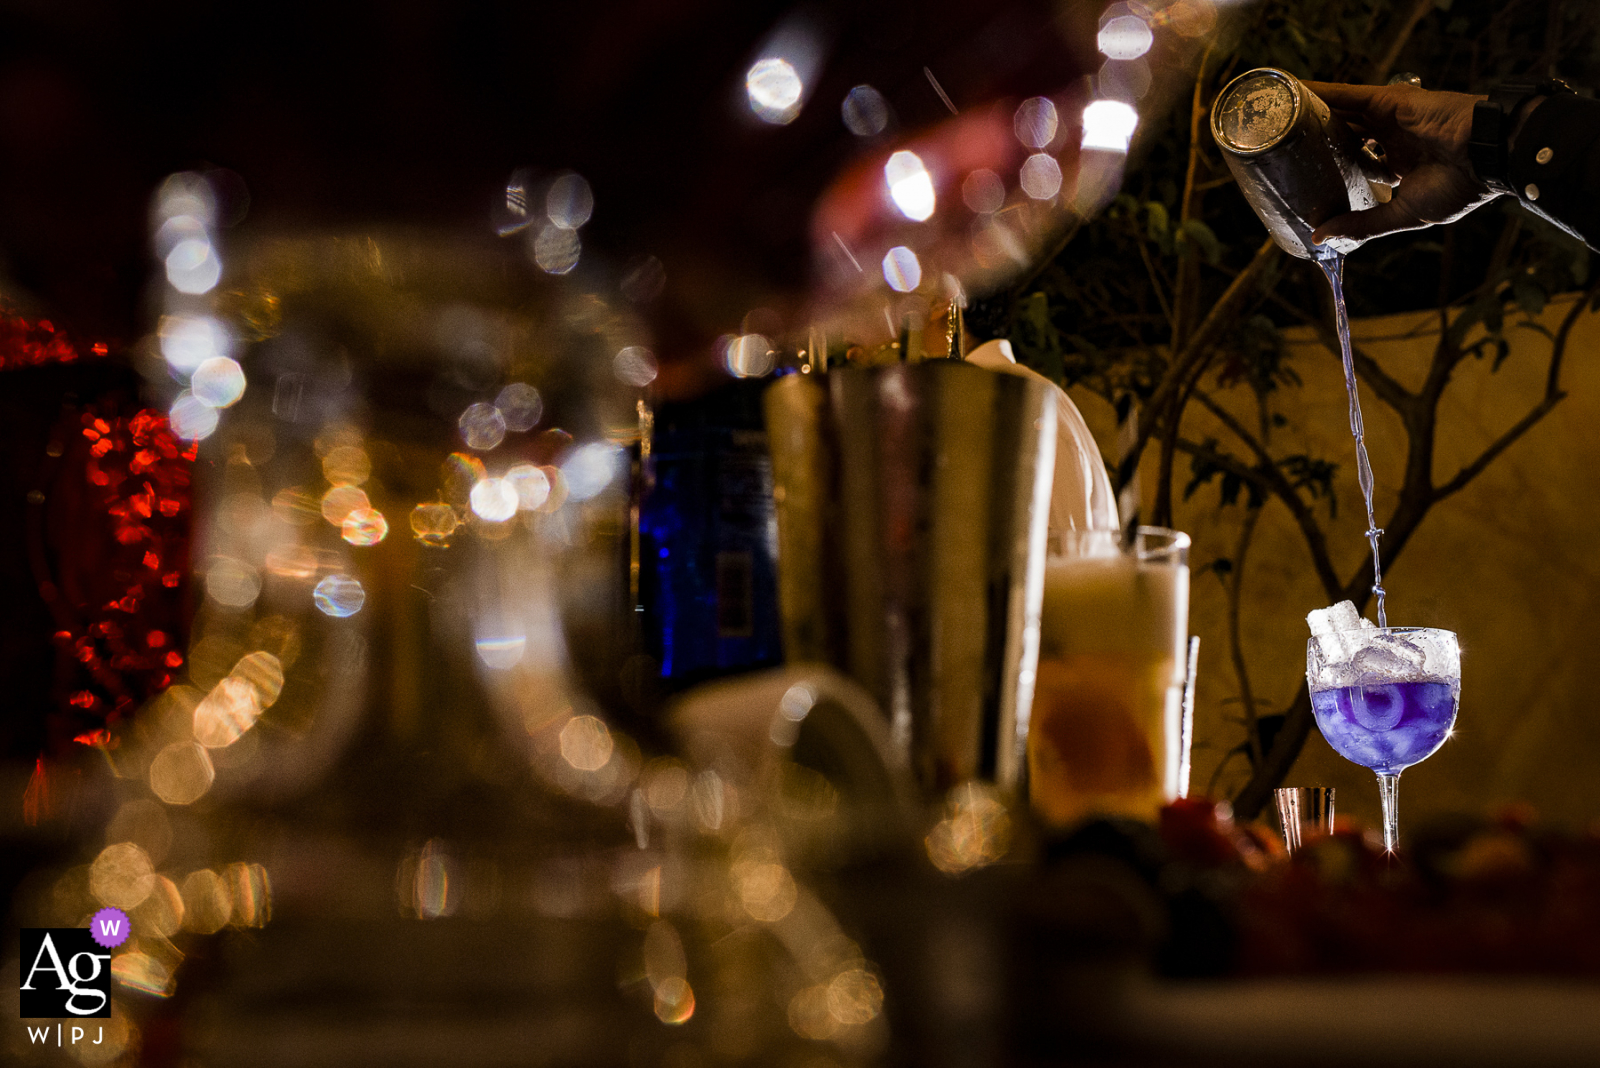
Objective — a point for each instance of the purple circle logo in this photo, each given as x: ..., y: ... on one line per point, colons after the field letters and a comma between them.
x: 110, y: 927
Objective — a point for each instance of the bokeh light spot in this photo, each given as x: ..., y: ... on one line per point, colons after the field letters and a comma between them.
x: 181, y: 774
x: 975, y: 831
x: 207, y: 904
x: 586, y: 743
x: 193, y: 266
x: 557, y: 250
x: 635, y: 365
x: 482, y: 426
x: 1035, y: 122
x: 901, y: 269
x: 192, y: 419
x: 750, y: 356
x: 855, y: 997
x: 865, y: 111
x: 774, y: 88
x: 364, y: 526
x: 590, y: 469
x: 765, y: 888
x: 231, y: 708
x: 434, y: 522
x: 187, y: 341
x: 984, y: 192
x: 570, y: 201
x: 674, y: 1002
x: 520, y: 406
x: 1125, y: 37
x: 1109, y: 125
x: 910, y: 185
x: 340, y: 501
x: 339, y: 596
x: 122, y: 875
x: 218, y: 382
x: 1041, y: 176
x: 532, y: 486
x: 232, y: 582
x: 346, y: 465
x: 494, y: 499
x: 264, y: 672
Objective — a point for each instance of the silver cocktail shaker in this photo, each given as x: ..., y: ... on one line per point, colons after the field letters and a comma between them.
x: 1294, y: 160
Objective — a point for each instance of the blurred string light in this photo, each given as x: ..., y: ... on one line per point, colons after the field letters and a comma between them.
x: 1108, y: 125
x: 865, y: 111
x: 910, y: 185
x: 901, y: 269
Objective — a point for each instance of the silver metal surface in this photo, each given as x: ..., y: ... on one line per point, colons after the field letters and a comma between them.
x: 1303, y: 811
x: 911, y: 526
x: 1294, y: 160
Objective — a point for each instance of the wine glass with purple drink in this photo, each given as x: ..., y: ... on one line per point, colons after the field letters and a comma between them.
x: 1383, y: 697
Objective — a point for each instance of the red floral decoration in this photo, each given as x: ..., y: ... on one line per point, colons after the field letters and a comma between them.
x: 29, y: 343
x: 140, y: 470
x: 108, y: 545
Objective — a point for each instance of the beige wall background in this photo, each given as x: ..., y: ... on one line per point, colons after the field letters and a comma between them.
x: 1512, y: 563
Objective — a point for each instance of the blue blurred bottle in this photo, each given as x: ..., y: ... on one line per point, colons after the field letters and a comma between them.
x: 708, y: 538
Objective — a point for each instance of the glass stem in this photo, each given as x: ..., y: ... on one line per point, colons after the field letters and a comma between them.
x: 1389, y: 794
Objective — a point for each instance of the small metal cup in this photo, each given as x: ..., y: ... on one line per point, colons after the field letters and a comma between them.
x: 1302, y: 811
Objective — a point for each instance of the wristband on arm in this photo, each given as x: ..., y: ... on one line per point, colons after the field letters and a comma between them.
x: 1494, y: 120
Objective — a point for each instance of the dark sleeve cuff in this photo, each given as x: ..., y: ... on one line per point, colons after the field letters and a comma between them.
x: 1555, y: 166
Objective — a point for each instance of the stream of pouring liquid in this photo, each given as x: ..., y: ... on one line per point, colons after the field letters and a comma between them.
x: 1332, y: 264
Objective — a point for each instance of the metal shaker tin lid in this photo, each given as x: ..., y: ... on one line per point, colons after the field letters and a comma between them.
x: 1256, y: 111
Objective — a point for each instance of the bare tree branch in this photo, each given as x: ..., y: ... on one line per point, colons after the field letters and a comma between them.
x: 1270, y: 478
x: 1198, y: 349
x: 1385, y: 62
x: 1241, y: 670
x: 1553, y: 395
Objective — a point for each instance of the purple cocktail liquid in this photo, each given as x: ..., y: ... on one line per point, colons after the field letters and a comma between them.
x: 1387, y: 726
